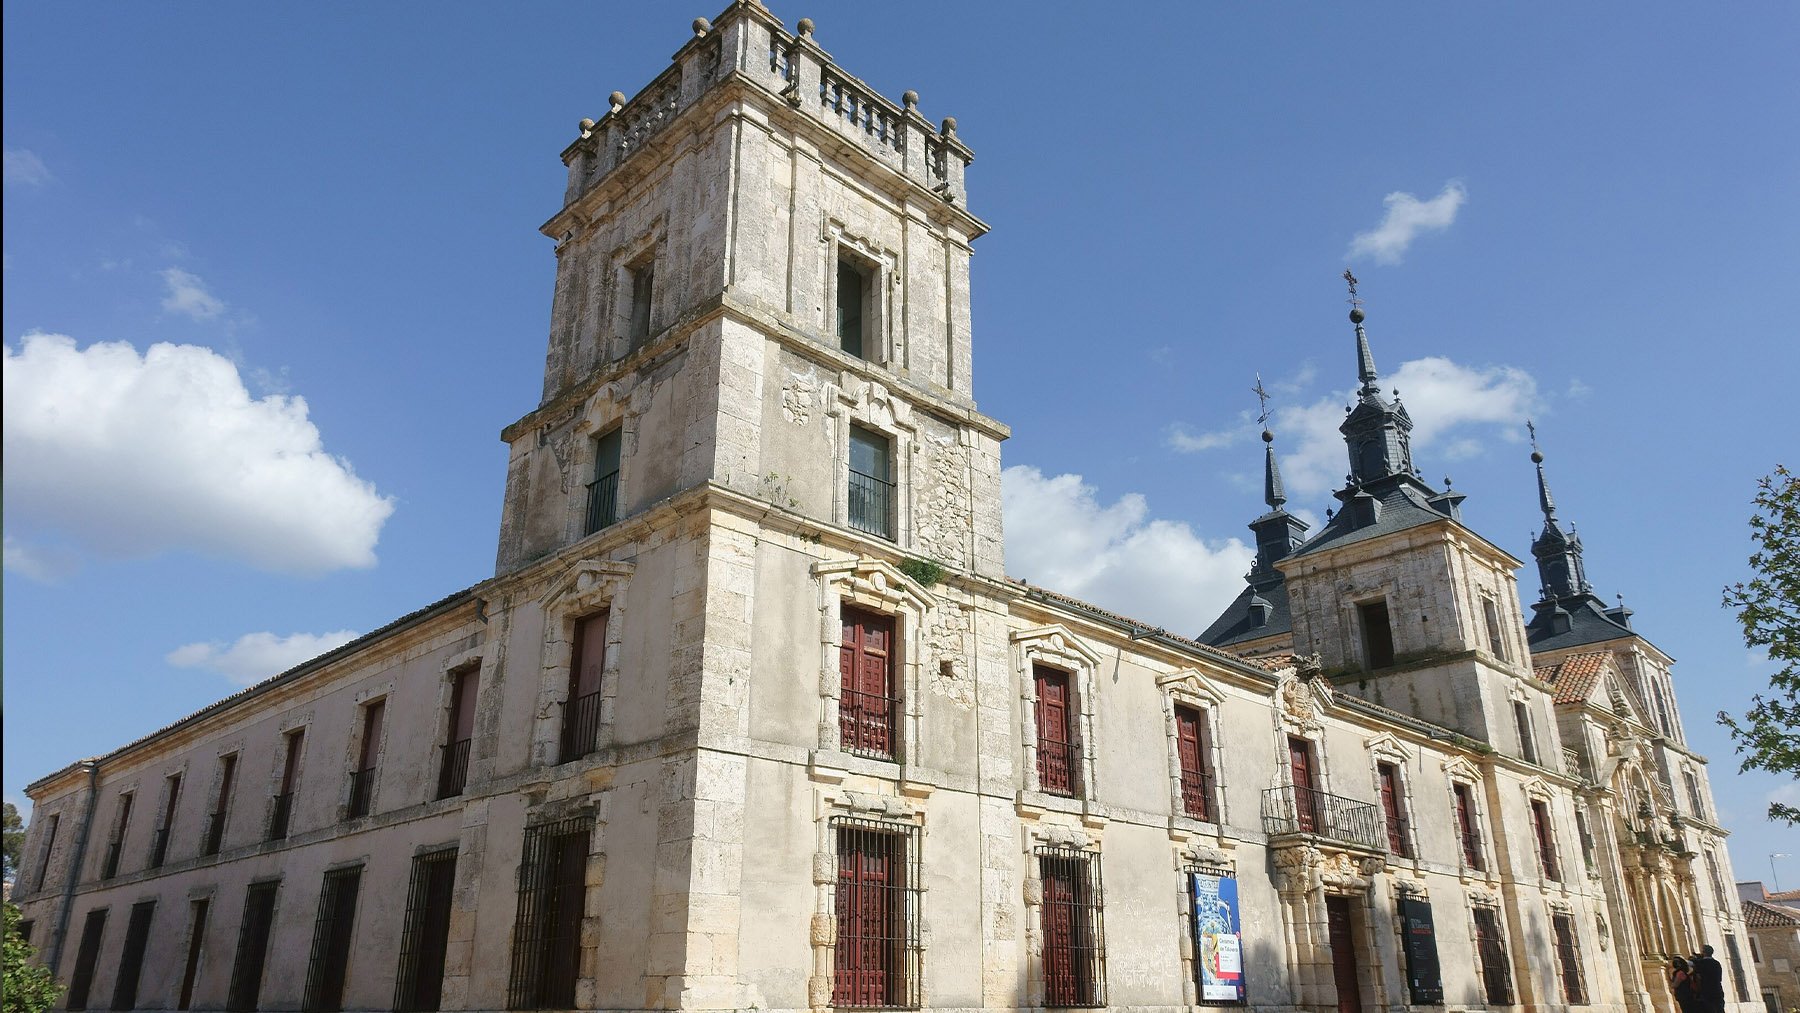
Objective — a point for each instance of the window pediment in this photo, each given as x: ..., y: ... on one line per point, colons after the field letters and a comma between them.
x: 1055, y: 645
x: 877, y: 582
x: 1192, y: 684
x: 1388, y: 747
x: 589, y: 583
x: 1458, y: 768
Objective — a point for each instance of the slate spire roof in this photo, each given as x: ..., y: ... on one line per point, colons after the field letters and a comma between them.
x: 1567, y: 612
x: 1261, y: 609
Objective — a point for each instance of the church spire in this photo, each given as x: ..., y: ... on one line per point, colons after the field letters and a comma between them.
x: 1558, y: 553
x: 1377, y: 434
x: 1277, y: 532
x: 1273, y: 494
x: 1365, y: 359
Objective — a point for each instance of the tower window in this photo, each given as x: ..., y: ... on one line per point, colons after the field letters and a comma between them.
x: 603, y: 491
x: 1527, y: 735
x: 868, y: 702
x: 1378, y: 634
x: 587, y: 660
x: 643, y: 291
x: 871, y: 487
x: 1496, y: 643
x: 852, y: 297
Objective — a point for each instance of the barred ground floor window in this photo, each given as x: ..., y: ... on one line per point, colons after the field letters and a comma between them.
x: 1074, y: 948
x: 419, y: 984
x: 332, y: 934
x: 252, y: 946
x: 546, y: 957
x: 1568, y: 958
x: 878, y: 957
x: 1490, y: 946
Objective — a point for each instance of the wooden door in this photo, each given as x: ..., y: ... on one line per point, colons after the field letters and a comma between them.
x: 1195, y: 799
x: 1390, y: 808
x: 588, y: 659
x: 1065, y: 970
x: 1300, y: 765
x: 1056, y: 746
x: 866, y: 703
x: 1343, y: 954
x: 866, y: 920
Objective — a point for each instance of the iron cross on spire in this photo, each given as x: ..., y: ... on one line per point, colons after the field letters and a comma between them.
x: 1262, y: 397
x: 1531, y: 427
x: 1351, y: 278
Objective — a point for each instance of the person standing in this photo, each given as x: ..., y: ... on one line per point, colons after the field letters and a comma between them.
x: 1709, y: 981
x: 1683, y: 987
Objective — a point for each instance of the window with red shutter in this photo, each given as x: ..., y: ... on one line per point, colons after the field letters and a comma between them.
x: 1540, y: 825
x: 868, y: 704
x: 1190, y: 748
x: 581, y: 715
x: 1391, y: 807
x: 1074, y: 955
x: 1465, y: 827
x: 1306, y: 792
x: 1056, y: 760
x: 875, y: 962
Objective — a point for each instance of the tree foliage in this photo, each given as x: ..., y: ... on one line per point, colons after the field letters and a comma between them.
x: 15, y: 840
x: 29, y: 987
x: 1767, y: 736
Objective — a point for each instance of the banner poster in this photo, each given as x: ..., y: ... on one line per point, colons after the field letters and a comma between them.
x: 1218, y: 939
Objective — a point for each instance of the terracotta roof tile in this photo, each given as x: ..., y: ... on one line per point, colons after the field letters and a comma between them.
x: 1770, y: 916
x: 1575, y: 677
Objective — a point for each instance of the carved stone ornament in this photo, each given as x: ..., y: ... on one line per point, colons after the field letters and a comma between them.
x: 799, y: 396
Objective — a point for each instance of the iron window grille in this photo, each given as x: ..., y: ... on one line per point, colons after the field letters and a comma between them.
x: 603, y: 491
x: 196, y: 943
x: 546, y: 957
x: 1490, y: 946
x: 280, y: 807
x: 453, y: 774
x: 131, y: 957
x: 420, y: 982
x: 868, y: 700
x: 1568, y: 956
x: 581, y: 712
x: 252, y: 947
x: 581, y: 726
x: 86, y: 956
x: 1073, y: 964
x: 362, y: 790
x: 333, y: 931
x: 215, y: 833
x: 159, y: 848
x: 879, y: 956
x: 110, y: 867
x: 871, y: 488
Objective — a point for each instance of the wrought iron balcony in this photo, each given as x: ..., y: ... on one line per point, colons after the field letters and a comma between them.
x: 279, y: 809
x: 581, y: 726
x: 1309, y: 812
x: 869, y: 504
x: 110, y: 867
x: 159, y: 847
x: 362, y: 791
x: 454, y: 773
x: 215, y: 834
x: 1197, y: 797
x: 602, y: 502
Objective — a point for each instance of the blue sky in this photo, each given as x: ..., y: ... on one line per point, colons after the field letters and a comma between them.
x: 333, y: 209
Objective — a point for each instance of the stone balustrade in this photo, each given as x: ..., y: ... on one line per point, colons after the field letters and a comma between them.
x: 750, y: 44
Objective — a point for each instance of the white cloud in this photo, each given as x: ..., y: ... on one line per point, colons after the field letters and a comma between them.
x: 1456, y: 410
x: 1060, y: 537
x: 188, y: 296
x: 1189, y: 442
x: 39, y: 562
x: 1406, y: 219
x: 24, y: 168
x: 130, y: 455
x: 256, y: 656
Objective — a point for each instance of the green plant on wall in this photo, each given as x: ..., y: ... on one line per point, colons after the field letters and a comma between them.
x: 924, y: 572
x: 29, y: 987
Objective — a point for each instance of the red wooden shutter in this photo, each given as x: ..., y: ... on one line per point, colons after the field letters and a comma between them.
x: 1195, y: 798
x: 372, y: 715
x: 1390, y: 805
x: 1061, y: 984
x: 1056, y: 746
x: 1465, y: 826
x: 866, y: 945
x: 588, y: 657
x: 867, y: 700
x: 1300, y: 766
x: 1540, y: 824
x: 462, y: 706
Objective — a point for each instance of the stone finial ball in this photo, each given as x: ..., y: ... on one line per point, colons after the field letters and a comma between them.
x: 806, y: 26
x: 949, y: 127
x: 585, y: 124
x: 617, y: 99
x: 911, y: 98
x: 1356, y: 315
x: 1537, y: 458
x: 1268, y: 437
x: 702, y: 26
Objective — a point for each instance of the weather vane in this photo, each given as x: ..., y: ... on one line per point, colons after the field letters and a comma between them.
x: 1262, y: 397
x: 1351, y: 278
x: 1531, y: 427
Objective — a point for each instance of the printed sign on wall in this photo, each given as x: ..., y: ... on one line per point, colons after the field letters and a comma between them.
x: 1218, y: 941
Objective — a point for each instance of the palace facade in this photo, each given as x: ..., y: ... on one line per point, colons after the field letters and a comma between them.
x: 749, y: 715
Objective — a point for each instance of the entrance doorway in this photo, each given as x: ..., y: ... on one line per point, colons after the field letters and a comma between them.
x: 1343, y: 954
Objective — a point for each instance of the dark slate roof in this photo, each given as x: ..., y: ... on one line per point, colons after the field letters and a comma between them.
x: 1404, y: 504
x: 1236, y: 624
x: 1588, y: 624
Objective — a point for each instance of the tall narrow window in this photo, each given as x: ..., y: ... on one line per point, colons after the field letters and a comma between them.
x: 1490, y: 946
x: 546, y: 957
x: 190, y: 972
x: 871, y: 483
x: 159, y: 842
x: 332, y: 934
x: 362, y: 779
x: 131, y: 956
x: 1393, y: 809
x: 643, y: 292
x: 1586, y: 837
x: 852, y: 295
x: 453, y: 771
x: 587, y: 660
x: 215, y: 821
x: 1466, y: 830
x: 1196, y: 770
x: 1568, y: 958
x: 116, y: 846
x: 1074, y: 958
x: 1378, y: 634
x: 282, y: 806
x: 1695, y: 804
x: 420, y: 983
x: 252, y: 947
x: 603, y: 490
x: 86, y: 956
x: 867, y: 704
x: 1490, y: 611
x: 1528, y: 749
x: 1057, y: 765
x: 1720, y: 898
x: 1304, y: 783
x: 1546, y: 842
x: 876, y: 960
x: 44, y: 850
x: 1736, y: 960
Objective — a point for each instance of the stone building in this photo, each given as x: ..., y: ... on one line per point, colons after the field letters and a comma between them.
x: 750, y: 717
x: 1773, y: 921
